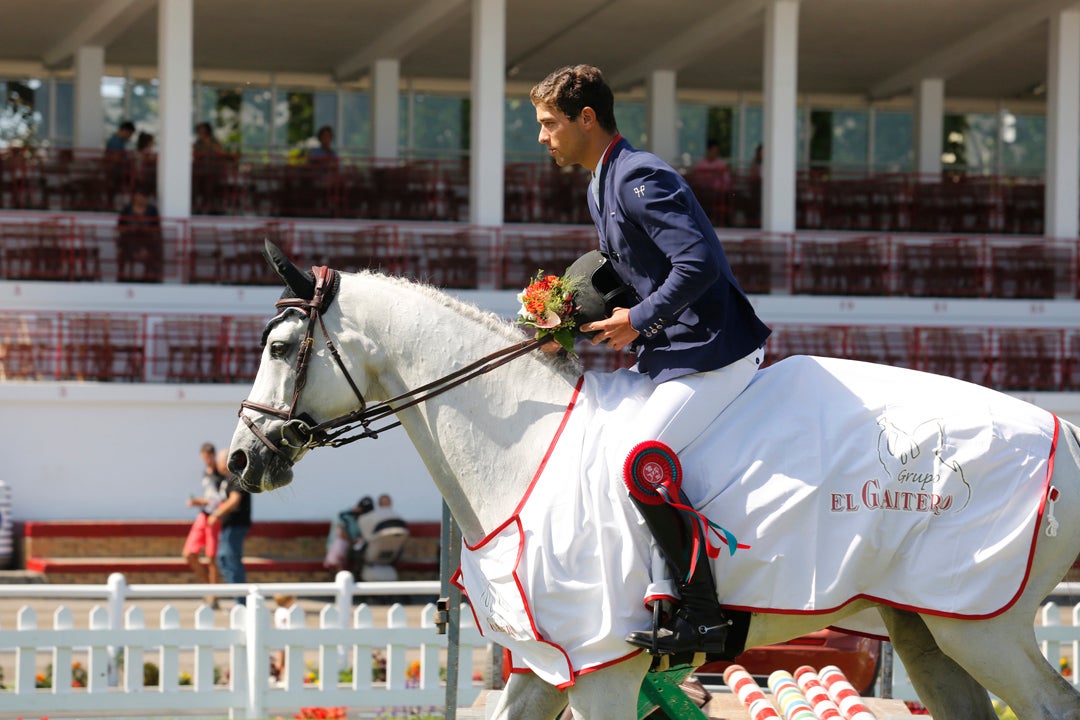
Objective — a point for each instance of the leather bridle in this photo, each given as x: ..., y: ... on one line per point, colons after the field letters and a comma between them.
x: 300, y: 432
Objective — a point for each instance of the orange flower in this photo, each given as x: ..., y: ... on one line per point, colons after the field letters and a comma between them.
x: 547, y: 305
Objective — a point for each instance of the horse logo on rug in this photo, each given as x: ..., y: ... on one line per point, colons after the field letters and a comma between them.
x: 914, y: 481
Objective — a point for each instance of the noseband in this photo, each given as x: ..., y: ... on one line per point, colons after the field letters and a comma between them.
x: 299, y: 434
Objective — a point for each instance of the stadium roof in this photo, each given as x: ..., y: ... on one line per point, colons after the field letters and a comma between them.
x: 872, y: 48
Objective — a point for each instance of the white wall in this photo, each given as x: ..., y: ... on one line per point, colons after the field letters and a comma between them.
x: 120, y: 451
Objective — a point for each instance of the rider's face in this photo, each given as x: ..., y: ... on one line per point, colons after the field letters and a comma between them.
x: 566, y: 139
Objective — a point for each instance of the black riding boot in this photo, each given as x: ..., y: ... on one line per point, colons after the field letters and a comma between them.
x: 699, y: 624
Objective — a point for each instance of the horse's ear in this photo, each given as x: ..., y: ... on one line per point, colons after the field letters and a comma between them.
x: 302, y: 284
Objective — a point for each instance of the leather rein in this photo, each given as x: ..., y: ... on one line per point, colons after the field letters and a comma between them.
x: 301, y: 433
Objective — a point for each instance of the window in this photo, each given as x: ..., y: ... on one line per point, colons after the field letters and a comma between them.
x: 440, y: 125
x: 630, y: 117
x: 700, y: 123
x: 522, y: 131
x: 1023, y: 144
x: 838, y: 139
x: 254, y: 115
x: 894, y: 137
x: 143, y: 104
x: 754, y: 133
x: 970, y: 143
x: 63, y: 132
x: 356, y: 121
x: 112, y: 99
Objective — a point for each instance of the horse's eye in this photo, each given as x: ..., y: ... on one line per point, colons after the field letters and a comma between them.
x: 278, y: 349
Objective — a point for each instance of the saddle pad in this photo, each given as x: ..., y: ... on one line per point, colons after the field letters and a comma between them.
x: 847, y: 480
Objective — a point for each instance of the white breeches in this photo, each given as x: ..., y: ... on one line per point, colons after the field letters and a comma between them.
x: 679, y: 410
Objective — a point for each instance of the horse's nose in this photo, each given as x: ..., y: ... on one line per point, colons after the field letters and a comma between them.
x: 238, y: 462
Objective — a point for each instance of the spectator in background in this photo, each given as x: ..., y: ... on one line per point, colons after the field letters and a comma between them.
x: 118, y: 161
x: 381, y: 542
x: 203, y: 535
x: 205, y: 142
x: 234, y: 514
x: 755, y: 163
x: 145, y: 170
x: 138, y: 240
x: 118, y: 141
x: 316, y: 195
x: 209, y: 167
x: 323, y: 152
x: 711, y: 180
x: 145, y: 143
x: 344, y: 536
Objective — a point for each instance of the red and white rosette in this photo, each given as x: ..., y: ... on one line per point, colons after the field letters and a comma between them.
x: 750, y: 695
x: 844, y: 695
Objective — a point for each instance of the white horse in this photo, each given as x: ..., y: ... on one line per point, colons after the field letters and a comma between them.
x: 378, y: 338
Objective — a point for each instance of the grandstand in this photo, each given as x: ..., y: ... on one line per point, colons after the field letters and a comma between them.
x: 918, y: 203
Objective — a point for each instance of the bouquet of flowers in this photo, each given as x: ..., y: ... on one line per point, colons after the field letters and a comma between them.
x: 547, y: 305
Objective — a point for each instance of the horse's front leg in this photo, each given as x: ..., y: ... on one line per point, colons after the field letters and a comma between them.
x: 527, y: 696
x: 610, y: 693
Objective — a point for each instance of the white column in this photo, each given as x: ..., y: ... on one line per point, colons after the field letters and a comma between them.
x: 486, y: 156
x: 779, y: 137
x: 1063, y: 125
x: 929, y: 128
x: 385, y: 93
x: 663, y: 109
x: 176, y: 31
x: 89, y: 108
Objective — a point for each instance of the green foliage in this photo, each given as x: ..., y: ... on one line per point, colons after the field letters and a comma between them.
x: 151, y: 675
x: 18, y: 121
x: 300, y: 107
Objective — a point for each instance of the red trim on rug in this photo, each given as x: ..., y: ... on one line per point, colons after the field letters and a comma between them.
x: 551, y: 448
x: 543, y: 463
x: 609, y: 663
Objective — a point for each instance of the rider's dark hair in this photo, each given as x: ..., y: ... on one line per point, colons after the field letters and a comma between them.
x: 573, y: 88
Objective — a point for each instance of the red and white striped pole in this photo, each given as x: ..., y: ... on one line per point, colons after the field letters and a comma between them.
x: 844, y: 695
x: 816, y: 694
x: 790, y: 697
x: 750, y: 695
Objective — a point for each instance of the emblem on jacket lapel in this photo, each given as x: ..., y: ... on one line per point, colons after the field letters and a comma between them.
x: 640, y: 191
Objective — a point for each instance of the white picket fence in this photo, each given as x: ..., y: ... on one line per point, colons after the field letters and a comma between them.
x: 1056, y: 639
x: 117, y: 641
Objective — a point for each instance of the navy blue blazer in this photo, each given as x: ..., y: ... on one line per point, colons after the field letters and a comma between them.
x: 694, y: 317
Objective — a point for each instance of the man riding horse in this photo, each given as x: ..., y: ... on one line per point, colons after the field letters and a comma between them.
x: 694, y: 330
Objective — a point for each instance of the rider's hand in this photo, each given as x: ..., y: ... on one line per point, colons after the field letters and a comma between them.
x: 551, y: 346
x: 616, y: 331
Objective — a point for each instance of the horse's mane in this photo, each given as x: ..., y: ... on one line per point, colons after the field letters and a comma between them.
x: 507, y: 329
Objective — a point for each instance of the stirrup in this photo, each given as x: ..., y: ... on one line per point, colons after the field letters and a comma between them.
x: 654, y: 650
x: 682, y: 635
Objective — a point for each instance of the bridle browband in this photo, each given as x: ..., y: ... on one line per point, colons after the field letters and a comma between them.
x: 335, y: 432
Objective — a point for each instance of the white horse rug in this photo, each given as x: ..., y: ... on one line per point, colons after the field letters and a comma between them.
x: 846, y: 480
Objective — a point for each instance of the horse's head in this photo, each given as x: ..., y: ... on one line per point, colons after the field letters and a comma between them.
x: 302, y: 381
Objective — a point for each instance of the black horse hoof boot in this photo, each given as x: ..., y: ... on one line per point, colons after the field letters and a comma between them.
x: 682, y: 633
